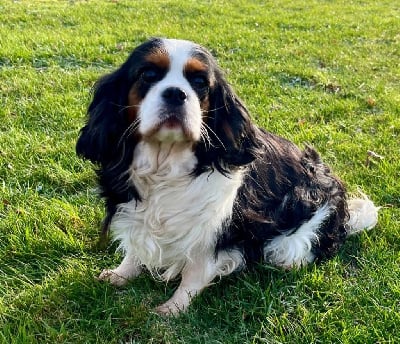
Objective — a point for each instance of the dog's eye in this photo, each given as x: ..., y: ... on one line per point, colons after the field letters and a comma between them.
x: 199, y: 81
x: 150, y: 75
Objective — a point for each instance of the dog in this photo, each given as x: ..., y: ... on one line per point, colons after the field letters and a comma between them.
x: 193, y: 187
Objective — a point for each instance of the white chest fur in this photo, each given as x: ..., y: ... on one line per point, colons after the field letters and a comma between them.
x: 180, y: 215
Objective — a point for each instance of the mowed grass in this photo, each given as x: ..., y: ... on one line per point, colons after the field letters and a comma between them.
x: 319, y: 72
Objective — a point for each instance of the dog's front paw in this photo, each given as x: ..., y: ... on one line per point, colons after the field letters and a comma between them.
x: 113, y: 278
x: 170, y: 309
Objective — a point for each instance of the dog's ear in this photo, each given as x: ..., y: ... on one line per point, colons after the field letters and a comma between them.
x: 233, y: 136
x: 100, y: 137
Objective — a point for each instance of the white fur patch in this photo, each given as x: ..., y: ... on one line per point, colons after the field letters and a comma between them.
x: 294, y: 250
x: 180, y: 215
x: 228, y: 262
x: 363, y: 215
x: 198, y: 275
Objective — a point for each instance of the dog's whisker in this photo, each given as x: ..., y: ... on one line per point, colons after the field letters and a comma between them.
x: 216, y: 136
x: 206, y: 136
x: 215, y: 109
x: 128, y: 131
x: 125, y: 107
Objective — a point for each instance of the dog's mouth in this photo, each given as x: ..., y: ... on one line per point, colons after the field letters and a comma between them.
x: 172, y: 127
x: 172, y: 122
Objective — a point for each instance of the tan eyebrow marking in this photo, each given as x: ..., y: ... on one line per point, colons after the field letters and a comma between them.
x: 159, y: 57
x: 195, y: 65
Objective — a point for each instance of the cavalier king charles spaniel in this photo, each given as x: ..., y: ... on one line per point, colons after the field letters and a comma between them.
x: 193, y: 187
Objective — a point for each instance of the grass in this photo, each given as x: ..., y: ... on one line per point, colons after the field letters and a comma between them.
x: 323, y: 72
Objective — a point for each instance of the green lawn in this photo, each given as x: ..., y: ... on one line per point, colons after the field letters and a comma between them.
x: 322, y: 72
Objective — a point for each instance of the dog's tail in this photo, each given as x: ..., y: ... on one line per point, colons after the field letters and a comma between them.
x: 363, y: 215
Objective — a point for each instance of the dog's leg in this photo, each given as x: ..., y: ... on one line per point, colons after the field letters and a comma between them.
x: 195, y: 277
x: 128, y: 269
x: 198, y: 275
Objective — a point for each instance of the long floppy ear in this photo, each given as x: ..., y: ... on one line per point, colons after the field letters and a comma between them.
x: 100, y: 137
x: 102, y: 141
x: 233, y: 135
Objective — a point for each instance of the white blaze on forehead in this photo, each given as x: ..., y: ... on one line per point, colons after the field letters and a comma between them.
x: 179, y: 51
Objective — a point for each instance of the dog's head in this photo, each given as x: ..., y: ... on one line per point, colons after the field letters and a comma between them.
x: 168, y: 90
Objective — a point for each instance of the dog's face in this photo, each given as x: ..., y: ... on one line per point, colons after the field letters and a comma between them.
x: 168, y: 90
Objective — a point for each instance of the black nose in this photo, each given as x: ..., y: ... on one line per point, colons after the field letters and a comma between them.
x: 174, y: 96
